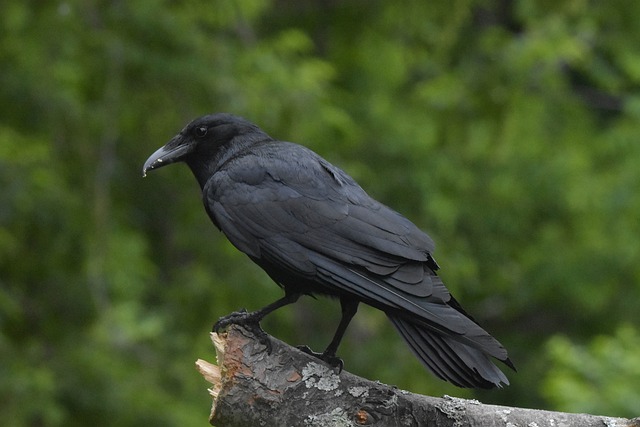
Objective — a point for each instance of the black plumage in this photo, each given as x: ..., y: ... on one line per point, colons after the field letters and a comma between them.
x: 314, y: 230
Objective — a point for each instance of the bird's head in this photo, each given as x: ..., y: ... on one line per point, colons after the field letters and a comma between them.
x: 204, y: 143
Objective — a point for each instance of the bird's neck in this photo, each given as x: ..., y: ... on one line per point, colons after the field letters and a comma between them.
x: 204, y: 165
x: 202, y: 170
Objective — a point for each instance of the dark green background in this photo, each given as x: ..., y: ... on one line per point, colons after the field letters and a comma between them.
x: 508, y: 130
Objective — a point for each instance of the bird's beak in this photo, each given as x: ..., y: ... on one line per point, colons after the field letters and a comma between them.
x: 172, y: 152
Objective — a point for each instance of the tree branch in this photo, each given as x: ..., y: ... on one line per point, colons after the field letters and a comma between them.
x: 251, y: 387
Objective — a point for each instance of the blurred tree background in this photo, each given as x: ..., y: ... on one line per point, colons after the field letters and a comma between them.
x: 508, y: 130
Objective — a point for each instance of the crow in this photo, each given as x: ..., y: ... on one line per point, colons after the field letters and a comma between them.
x: 315, y: 231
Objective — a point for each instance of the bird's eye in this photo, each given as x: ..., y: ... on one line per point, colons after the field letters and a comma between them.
x: 201, y: 131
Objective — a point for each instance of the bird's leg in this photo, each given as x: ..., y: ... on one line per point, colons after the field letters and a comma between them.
x: 349, y: 309
x: 251, y: 320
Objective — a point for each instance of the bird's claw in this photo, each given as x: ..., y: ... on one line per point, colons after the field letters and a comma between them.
x: 248, y: 320
x: 331, y: 359
x: 235, y: 318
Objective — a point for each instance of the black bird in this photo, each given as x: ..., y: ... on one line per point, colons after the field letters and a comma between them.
x: 314, y: 230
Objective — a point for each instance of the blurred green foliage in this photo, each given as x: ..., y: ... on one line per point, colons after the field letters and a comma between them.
x: 507, y: 130
x: 601, y: 377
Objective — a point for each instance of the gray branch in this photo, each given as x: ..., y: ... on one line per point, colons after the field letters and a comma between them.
x: 251, y: 387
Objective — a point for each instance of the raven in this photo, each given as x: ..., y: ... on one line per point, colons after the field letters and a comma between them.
x: 314, y: 230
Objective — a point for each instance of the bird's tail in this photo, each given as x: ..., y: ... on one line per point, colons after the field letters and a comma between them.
x: 450, y: 359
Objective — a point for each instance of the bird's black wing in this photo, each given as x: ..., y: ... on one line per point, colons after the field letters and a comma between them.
x: 277, y: 199
x: 285, y: 206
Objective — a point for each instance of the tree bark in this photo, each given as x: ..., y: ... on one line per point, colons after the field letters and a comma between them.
x: 287, y: 387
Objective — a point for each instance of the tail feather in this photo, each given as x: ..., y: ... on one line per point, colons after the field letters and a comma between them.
x: 433, y: 359
x: 449, y: 359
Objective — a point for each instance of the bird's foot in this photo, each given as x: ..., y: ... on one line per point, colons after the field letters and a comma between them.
x: 248, y: 320
x: 331, y: 359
